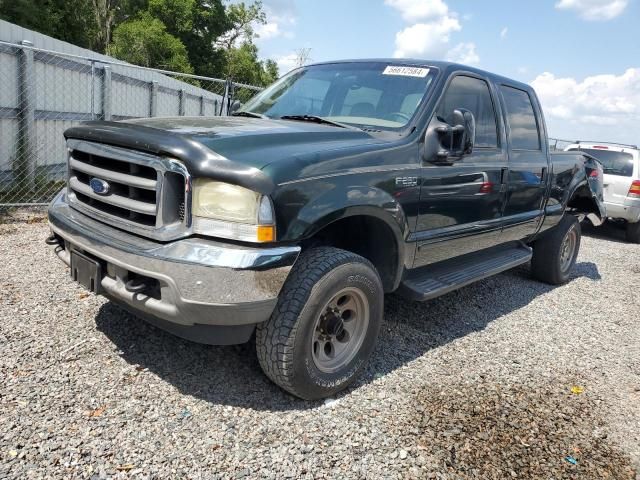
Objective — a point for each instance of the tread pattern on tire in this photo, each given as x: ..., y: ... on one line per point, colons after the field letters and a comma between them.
x: 545, y: 261
x: 275, y: 337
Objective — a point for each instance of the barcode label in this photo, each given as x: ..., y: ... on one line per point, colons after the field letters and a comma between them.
x: 406, y: 71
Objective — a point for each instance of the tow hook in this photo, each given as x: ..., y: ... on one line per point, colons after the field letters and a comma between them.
x: 135, y: 285
x: 52, y: 240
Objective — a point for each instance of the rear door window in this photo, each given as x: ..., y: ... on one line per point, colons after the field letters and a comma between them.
x: 521, y: 119
x: 613, y: 163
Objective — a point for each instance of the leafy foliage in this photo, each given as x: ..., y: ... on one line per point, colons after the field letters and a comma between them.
x: 193, y: 36
x: 144, y: 40
x: 68, y: 20
x: 177, y: 15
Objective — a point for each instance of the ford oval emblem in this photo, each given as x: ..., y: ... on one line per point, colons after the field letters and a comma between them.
x: 99, y: 186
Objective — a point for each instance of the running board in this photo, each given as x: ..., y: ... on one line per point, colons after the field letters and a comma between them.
x: 434, y: 280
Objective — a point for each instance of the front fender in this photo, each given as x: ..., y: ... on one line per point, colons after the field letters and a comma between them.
x: 337, y: 204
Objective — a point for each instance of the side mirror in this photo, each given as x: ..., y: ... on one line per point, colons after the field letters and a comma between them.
x: 235, y: 106
x: 464, y: 132
x: 446, y: 143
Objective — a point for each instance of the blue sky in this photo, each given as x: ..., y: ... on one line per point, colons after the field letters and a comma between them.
x: 582, y: 56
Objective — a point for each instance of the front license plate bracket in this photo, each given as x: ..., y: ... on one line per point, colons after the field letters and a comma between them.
x: 86, y: 271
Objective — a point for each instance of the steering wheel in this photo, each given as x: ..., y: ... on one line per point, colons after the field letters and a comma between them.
x: 402, y: 116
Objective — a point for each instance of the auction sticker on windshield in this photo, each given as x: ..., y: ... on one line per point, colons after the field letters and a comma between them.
x: 406, y: 71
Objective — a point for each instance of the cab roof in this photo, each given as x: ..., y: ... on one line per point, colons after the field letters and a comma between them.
x: 446, y: 67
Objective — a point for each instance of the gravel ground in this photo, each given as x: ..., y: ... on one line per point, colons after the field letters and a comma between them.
x: 505, y: 378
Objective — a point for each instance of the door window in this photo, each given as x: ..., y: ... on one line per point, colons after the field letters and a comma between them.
x: 472, y: 94
x: 523, y: 126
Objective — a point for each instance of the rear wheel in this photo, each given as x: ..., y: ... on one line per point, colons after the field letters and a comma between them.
x: 555, y: 253
x: 325, y: 324
x: 633, y: 232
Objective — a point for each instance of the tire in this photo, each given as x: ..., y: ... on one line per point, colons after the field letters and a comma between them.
x: 292, y: 345
x: 633, y: 232
x: 550, y: 262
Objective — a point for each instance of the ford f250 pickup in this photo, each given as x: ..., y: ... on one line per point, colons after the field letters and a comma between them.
x: 289, y: 220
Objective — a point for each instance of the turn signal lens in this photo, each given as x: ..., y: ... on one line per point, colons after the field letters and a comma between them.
x: 266, y: 233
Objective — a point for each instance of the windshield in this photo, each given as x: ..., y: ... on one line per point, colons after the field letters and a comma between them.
x: 372, y: 94
x: 613, y: 163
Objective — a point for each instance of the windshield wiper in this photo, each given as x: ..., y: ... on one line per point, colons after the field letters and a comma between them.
x: 316, y: 119
x: 248, y: 114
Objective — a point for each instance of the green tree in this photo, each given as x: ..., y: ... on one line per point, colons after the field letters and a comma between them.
x: 104, y: 12
x: 210, y: 21
x: 177, y: 15
x: 200, y: 36
x: 68, y: 20
x: 271, y: 73
x: 244, y: 66
x: 144, y: 40
x: 242, y: 18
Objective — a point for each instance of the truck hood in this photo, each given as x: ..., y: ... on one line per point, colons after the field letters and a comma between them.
x: 234, y: 149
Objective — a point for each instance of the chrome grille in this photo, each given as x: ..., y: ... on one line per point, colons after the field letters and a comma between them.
x: 145, y: 193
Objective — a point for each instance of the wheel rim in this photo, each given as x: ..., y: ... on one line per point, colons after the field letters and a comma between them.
x: 340, y: 329
x: 568, y: 249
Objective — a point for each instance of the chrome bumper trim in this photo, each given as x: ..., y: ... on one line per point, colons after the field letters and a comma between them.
x: 201, y: 281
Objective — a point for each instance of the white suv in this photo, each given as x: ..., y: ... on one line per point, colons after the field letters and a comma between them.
x: 621, y: 181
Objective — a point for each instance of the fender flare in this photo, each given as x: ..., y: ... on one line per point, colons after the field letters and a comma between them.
x: 332, y: 206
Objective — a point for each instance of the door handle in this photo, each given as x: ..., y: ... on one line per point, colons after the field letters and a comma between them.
x: 543, y: 175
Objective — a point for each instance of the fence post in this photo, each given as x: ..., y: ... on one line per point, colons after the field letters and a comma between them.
x: 181, y: 102
x: 153, y: 99
x: 202, y: 105
x: 106, y: 92
x: 24, y: 166
x: 225, y: 95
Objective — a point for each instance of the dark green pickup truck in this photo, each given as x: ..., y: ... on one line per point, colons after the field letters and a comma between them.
x: 293, y: 217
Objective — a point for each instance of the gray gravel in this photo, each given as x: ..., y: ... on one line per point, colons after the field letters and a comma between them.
x: 476, y: 384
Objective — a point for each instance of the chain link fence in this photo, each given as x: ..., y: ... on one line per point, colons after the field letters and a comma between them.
x: 42, y: 93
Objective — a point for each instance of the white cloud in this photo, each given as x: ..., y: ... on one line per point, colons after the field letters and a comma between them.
x: 594, y: 9
x: 281, y: 19
x: 286, y: 62
x: 417, y: 10
x: 601, y: 107
x: 464, y: 53
x: 426, y: 39
x: 268, y: 30
x: 429, y: 30
x: 504, y: 32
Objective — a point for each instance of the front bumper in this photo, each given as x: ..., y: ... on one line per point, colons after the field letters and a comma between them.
x: 208, y: 291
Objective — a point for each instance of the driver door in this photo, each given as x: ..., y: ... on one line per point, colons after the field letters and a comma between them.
x: 462, y: 199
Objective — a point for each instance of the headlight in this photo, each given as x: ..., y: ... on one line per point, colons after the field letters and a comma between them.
x: 229, y: 211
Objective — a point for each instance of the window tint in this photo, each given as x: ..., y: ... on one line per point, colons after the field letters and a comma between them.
x: 361, y: 102
x: 613, y: 163
x: 472, y: 94
x: 310, y: 96
x: 521, y: 119
x: 359, y: 93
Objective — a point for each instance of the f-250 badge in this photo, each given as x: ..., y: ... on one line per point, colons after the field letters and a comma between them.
x: 406, y: 181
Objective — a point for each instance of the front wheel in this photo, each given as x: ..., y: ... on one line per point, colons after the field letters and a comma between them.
x: 325, y: 324
x: 555, y: 253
